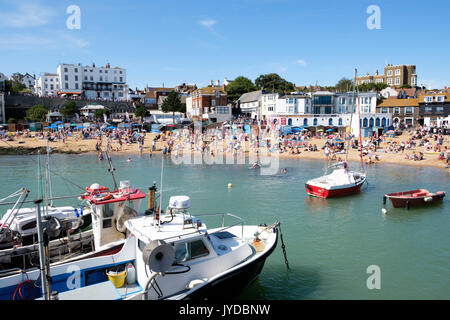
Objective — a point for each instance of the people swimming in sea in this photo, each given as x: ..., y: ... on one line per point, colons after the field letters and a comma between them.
x: 284, y: 170
x: 129, y: 160
x: 255, y: 165
x: 100, y: 156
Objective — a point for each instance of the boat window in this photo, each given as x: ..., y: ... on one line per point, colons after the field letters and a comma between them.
x: 107, y: 211
x: 29, y: 225
x: 141, y: 245
x: 185, y: 251
x: 107, y: 223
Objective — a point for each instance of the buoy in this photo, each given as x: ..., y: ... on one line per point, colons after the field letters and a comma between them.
x: 384, y: 210
x: 230, y: 185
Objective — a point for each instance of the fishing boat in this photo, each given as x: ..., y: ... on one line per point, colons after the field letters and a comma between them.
x: 165, y: 255
x: 419, y: 197
x: 339, y: 182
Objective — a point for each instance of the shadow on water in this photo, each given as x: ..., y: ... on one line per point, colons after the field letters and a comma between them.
x: 399, y: 214
x: 278, y: 283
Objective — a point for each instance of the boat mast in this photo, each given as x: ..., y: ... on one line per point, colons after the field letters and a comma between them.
x: 359, y: 120
x: 111, y: 169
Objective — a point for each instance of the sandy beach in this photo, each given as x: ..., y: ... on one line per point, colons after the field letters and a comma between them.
x: 31, y: 145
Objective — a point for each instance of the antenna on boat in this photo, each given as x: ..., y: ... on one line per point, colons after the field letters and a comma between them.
x: 158, y: 213
x: 359, y: 121
x: 111, y: 169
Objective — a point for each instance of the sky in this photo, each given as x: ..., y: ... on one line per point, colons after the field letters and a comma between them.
x: 169, y: 42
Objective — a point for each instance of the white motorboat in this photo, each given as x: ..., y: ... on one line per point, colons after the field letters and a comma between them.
x: 164, y: 256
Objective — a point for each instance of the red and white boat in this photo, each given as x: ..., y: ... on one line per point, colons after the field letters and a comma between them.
x: 340, y: 182
x: 417, y: 197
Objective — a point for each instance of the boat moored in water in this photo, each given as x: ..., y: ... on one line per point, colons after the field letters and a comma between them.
x: 412, y: 198
x: 340, y: 182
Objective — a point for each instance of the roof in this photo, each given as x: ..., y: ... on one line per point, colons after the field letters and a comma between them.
x: 434, y: 94
x: 399, y: 103
x: 162, y: 98
x: 210, y: 90
x: 250, y: 96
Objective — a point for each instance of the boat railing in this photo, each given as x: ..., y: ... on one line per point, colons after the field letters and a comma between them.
x: 240, y: 222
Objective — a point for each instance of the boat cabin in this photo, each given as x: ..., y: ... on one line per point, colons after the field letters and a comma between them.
x: 110, y: 209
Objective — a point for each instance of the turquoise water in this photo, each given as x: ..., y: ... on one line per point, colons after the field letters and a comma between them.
x: 329, y: 243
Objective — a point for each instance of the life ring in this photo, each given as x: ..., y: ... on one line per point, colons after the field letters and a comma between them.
x: 103, y: 197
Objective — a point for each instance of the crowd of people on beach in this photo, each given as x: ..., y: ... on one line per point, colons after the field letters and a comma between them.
x: 232, y: 138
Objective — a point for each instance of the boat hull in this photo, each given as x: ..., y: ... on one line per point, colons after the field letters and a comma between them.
x: 320, y: 192
x: 414, y: 198
x: 233, y: 283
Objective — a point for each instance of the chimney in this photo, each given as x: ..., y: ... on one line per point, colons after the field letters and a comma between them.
x: 211, y: 83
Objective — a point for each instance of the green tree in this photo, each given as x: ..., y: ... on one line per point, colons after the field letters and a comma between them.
x: 15, y: 87
x: 238, y: 87
x: 274, y: 82
x: 405, y: 86
x: 99, y: 113
x: 381, y: 86
x: 142, y: 112
x: 69, y: 109
x: 344, y: 85
x: 37, y: 113
x: 11, y: 120
x: 173, y: 104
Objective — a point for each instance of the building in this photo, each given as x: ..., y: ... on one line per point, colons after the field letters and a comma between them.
x: 29, y: 81
x: 250, y: 104
x: 210, y: 103
x: 393, y: 76
x: 348, y: 103
x: 47, y: 84
x: 434, y: 108
x: 152, y: 95
x: 405, y: 112
x: 3, y: 80
x: 2, y: 108
x: 323, y: 102
x: 93, y: 82
x: 89, y: 82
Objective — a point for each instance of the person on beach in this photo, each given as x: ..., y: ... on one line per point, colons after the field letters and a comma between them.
x: 129, y: 160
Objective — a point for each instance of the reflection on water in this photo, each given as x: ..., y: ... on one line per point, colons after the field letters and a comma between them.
x: 329, y: 242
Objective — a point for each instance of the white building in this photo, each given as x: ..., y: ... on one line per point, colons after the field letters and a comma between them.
x: 47, y: 85
x: 88, y: 81
x: 28, y: 80
x: 347, y: 102
x: 250, y: 104
x: 93, y: 82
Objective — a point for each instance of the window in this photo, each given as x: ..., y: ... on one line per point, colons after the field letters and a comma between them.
x: 213, y: 102
x: 100, y: 71
x: 315, y: 121
x: 377, y: 122
x: 364, y: 122
x: 101, y: 78
x: 66, y: 77
x: 85, y: 78
x: 397, y: 80
x: 397, y: 72
x: 186, y: 251
x: 439, y: 109
x: 389, y: 81
x: 76, y: 78
x: 217, y: 93
x: 76, y: 86
x: 330, y: 121
x: 428, y: 99
x: 408, y: 110
x: 51, y: 87
x: 67, y: 85
x: 121, y: 79
x: 76, y: 69
x: 65, y: 69
x: 92, y: 78
x: 383, y: 122
x: 340, y: 121
x: 440, y: 98
x: 371, y: 122
x: 389, y: 73
x: 428, y: 109
x: 305, y: 122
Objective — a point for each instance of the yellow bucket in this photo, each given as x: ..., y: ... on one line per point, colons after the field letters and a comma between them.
x: 118, y: 279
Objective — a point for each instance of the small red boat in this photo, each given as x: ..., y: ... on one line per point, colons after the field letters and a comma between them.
x: 418, y: 197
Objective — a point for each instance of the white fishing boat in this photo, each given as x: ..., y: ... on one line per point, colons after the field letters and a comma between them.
x: 163, y: 256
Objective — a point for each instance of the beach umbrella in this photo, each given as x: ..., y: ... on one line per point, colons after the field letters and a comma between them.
x: 330, y: 130
x: 79, y: 127
x: 73, y: 124
x: 111, y: 127
x: 58, y: 122
x: 339, y: 140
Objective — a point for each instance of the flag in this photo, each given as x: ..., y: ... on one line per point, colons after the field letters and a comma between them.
x: 77, y: 116
x: 105, y: 118
x: 127, y: 116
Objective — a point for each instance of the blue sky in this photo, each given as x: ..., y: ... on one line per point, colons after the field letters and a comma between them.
x: 169, y: 42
